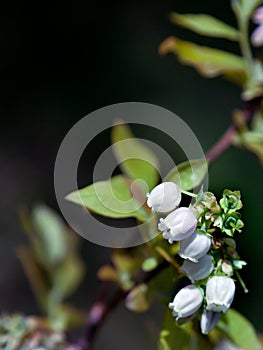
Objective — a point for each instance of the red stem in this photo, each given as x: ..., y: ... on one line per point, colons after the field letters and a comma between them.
x: 226, y: 139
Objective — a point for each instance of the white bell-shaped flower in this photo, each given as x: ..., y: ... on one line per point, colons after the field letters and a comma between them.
x: 178, y: 225
x: 195, y: 246
x: 200, y: 270
x: 209, y: 320
x: 220, y: 292
x: 164, y: 197
x: 186, y: 302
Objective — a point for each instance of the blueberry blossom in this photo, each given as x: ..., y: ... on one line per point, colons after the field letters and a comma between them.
x: 164, y: 197
x: 195, y: 246
x: 209, y: 320
x: 220, y: 292
x: 200, y: 270
x: 178, y: 225
x: 186, y: 302
x: 257, y: 35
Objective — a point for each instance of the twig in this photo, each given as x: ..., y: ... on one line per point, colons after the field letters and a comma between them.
x: 103, y: 306
x: 226, y: 139
x: 223, y: 144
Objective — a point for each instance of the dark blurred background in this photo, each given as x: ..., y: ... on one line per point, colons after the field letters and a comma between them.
x: 62, y: 60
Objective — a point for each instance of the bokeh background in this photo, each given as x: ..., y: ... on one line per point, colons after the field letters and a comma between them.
x: 62, y: 60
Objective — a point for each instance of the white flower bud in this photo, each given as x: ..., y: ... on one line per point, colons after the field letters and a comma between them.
x: 194, y: 247
x: 227, y: 268
x: 209, y: 320
x: 164, y: 197
x: 200, y: 270
x: 220, y: 292
x: 186, y: 302
x: 178, y: 225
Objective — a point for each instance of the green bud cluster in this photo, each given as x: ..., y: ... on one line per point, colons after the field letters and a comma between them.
x: 221, y: 220
x: 223, y: 215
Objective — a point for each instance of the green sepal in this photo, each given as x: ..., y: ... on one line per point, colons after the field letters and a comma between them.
x: 231, y: 201
x: 232, y: 223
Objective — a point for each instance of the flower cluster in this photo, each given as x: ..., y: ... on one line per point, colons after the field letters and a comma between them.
x: 210, y: 258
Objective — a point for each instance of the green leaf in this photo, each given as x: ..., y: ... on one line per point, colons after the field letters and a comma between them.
x: 252, y: 136
x: 73, y: 317
x: 239, y: 330
x: 256, y: 148
x: 111, y: 198
x: 51, y: 230
x: 206, y: 25
x: 136, y: 160
x: 149, y: 264
x: 252, y: 140
x: 189, y: 174
x: 257, y: 122
x: 248, y: 6
x: 66, y: 278
x: 137, y: 299
x: 164, y: 282
x: 208, y: 62
x: 172, y: 336
x: 254, y: 87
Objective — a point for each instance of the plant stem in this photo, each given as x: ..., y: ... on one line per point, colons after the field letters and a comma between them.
x: 102, y: 305
x: 226, y: 139
x: 189, y: 193
x: 244, y: 44
x: 222, y: 145
x: 241, y: 282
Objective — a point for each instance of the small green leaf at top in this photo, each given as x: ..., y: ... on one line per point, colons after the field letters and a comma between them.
x: 66, y: 277
x: 205, y: 25
x: 239, y: 330
x: 136, y: 160
x: 247, y: 7
x: 189, y: 174
x: 111, y: 198
x: 207, y: 61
